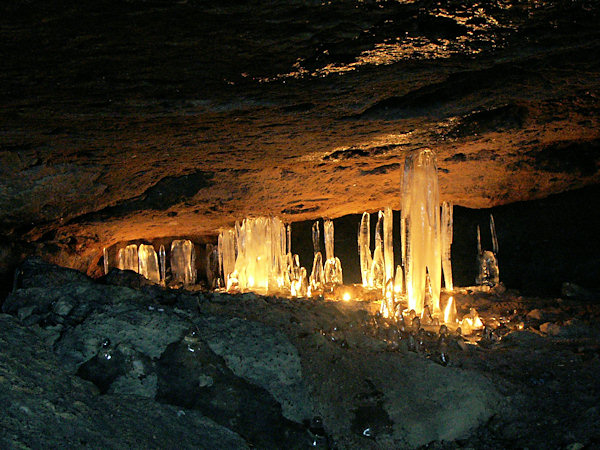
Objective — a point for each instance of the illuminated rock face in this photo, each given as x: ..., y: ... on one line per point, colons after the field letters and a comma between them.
x: 421, y: 229
x: 292, y: 121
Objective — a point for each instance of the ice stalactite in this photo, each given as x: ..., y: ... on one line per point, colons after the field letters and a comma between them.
x: 388, y: 243
x: 364, y: 249
x: 162, y: 256
x: 317, y: 279
x: 446, y: 236
x: 254, y: 256
x: 128, y: 258
x: 377, y: 276
x: 183, y: 262
x: 333, y: 266
x: 421, y: 229
x: 487, y: 261
x: 148, y: 263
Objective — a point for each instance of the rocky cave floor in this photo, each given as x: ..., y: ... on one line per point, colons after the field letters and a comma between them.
x: 118, y: 363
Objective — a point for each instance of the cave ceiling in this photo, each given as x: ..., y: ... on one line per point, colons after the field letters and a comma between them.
x: 147, y: 119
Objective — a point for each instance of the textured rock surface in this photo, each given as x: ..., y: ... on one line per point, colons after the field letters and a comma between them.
x: 264, y: 376
x: 126, y: 120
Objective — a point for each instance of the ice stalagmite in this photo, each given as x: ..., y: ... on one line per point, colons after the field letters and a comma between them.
x: 421, y: 229
x: 316, y: 277
x: 183, y: 261
x: 162, y: 256
x: 446, y: 236
x: 333, y: 266
x: 364, y: 249
x: 377, y: 276
x: 226, y: 246
x: 128, y: 258
x: 148, y: 263
x: 388, y: 244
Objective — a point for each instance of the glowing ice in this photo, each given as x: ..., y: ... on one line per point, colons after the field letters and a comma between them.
x: 333, y: 266
x: 162, y: 256
x: 226, y: 249
x: 317, y: 278
x: 377, y: 276
x: 446, y: 236
x: 148, y: 263
x: 364, y: 249
x: 388, y: 244
x: 183, y: 261
x: 128, y: 258
x: 421, y: 229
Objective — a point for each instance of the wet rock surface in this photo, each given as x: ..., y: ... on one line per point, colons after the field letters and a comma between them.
x: 248, y: 370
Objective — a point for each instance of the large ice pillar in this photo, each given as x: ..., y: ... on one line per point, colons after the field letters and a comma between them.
x: 162, y: 256
x: 421, y: 229
x: 446, y: 237
x: 333, y: 266
x: 183, y: 261
x: 377, y: 275
x: 148, y: 263
x: 364, y: 249
x: 128, y: 258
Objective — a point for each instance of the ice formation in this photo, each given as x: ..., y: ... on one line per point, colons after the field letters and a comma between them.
x: 446, y: 236
x: 183, y: 262
x: 388, y: 244
x: 377, y: 275
x: 364, y: 249
x: 148, y: 263
x: 162, y: 256
x: 105, y: 260
x: 261, y: 263
x: 333, y: 266
x: 127, y: 258
x: 212, y: 266
x: 487, y: 261
x: 421, y: 229
x: 317, y: 277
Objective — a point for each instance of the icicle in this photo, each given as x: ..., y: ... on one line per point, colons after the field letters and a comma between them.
x: 183, y: 261
x: 333, y: 266
x: 388, y: 244
x: 128, y: 258
x: 421, y: 228
x: 494, y: 236
x: 316, y: 238
x: 105, y: 260
x: 364, y: 249
x: 148, y: 263
x: 377, y: 275
x: 478, y: 240
x: 162, y: 256
x: 446, y: 236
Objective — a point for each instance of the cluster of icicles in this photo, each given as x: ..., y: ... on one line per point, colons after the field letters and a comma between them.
x: 256, y: 255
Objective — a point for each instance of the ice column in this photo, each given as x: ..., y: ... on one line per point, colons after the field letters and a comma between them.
x: 377, y: 276
x: 333, y: 266
x: 317, y: 277
x: 162, y: 256
x: 364, y: 249
x: 128, y: 258
x: 148, y: 263
x: 183, y: 261
x: 446, y: 236
x: 421, y: 229
x: 212, y: 266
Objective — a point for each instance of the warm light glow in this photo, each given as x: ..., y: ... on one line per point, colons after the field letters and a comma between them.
x: 450, y: 311
x: 346, y: 296
x: 251, y: 280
